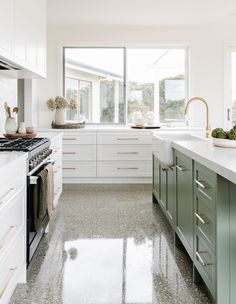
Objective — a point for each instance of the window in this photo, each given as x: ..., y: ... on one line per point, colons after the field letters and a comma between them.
x: 155, y: 80
x: 95, y: 78
x: 230, y: 87
x: 233, y: 85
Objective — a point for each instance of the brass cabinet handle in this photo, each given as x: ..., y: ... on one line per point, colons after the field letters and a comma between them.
x: 181, y: 168
x: 4, y: 238
x: 127, y: 153
x: 68, y: 152
x: 201, y: 219
x: 200, y: 259
x: 68, y: 138
x: 8, y: 280
x: 68, y: 168
x: 130, y: 168
x: 202, y: 184
x: 6, y: 194
x: 131, y: 138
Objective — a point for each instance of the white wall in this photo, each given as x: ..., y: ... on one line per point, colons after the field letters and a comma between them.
x: 8, y: 93
x: 206, y: 45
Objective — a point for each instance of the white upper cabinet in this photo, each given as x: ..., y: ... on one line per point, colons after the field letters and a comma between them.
x: 23, y: 34
x: 6, y: 28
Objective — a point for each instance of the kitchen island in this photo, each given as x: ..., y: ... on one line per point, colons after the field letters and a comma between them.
x: 197, y: 194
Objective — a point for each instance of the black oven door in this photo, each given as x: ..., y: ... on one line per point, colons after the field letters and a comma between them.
x: 34, y: 236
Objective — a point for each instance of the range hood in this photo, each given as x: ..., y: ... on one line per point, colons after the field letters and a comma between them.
x: 6, y: 66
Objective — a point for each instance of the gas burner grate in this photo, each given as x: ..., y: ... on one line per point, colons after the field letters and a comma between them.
x: 21, y: 144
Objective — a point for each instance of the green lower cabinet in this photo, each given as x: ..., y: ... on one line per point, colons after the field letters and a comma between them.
x: 184, y: 200
x: 164, y: 189
x: 232, y: 243
x: 155, y: 179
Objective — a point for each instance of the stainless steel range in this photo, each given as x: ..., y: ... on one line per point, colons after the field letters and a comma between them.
x: 38, y: 157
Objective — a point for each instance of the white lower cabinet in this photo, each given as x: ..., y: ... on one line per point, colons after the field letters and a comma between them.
x: 124, y: 169
x: 13, y: 227
x: 79, y: 169
x: 56, y: 156
x: 92, y: 156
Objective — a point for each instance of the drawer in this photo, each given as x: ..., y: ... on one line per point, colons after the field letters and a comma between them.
x: 10, y: 266
x: 86, y: 138
x: 11, y: 181
x: 205, y: 221
x: 124, y: 138
x: 12, y: 217
x: 124, y: 169
x: 205, y: 183
x: 205, y: 263
x: 79, y: 152
x: 76, y: 169
x: 124, y: 152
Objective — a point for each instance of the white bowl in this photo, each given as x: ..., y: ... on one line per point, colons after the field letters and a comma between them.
x: 226, y: 143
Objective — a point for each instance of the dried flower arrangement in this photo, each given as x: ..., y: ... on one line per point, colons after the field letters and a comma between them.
x: 61, y: 103
x: 73, y: 104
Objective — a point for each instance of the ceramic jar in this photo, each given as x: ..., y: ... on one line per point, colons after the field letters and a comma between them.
x: 10, y: 125
x: 22, y: 128
x: 60, y: 117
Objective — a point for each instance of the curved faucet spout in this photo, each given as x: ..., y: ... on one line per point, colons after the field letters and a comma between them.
x: 208, y: 130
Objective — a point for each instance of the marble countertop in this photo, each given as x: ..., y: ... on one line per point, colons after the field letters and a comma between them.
x: 220, y: 160
x: 8, y: 157
x: 113, y: 128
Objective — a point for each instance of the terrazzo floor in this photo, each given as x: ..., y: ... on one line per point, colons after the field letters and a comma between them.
x: 108, y: 244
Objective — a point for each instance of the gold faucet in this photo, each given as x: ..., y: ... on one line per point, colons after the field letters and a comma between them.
x: 208, y: 130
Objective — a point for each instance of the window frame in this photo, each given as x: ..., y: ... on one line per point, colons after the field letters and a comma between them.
x: 125, y: 64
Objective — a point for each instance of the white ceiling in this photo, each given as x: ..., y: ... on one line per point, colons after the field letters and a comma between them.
x: 138, y: 12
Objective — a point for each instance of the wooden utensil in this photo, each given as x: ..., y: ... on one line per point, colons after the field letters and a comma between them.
x: 9, y: 111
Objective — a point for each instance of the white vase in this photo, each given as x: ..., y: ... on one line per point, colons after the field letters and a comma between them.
x: 10, y: 125
x: 60, y: 117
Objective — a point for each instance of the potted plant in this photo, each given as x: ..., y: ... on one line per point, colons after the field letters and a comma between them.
x: 60, y: 104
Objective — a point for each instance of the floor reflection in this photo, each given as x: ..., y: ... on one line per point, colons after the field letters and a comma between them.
x: 109, y: 245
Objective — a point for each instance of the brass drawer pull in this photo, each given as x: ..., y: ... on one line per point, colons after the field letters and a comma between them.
x: 127, y: 153
x: 202, y: 184
x: 200, y: 259
x: 5, y: 237
x: 68, y: 168
x: 131, y: 138
x: 8, y: 280
x: 181, y: 168
x: 6, y: 194
x: 68, y: 138
x: 68, y: 152
x: 130, y: 168
x: 201, y: 219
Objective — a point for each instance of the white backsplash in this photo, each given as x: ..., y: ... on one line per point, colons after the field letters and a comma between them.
x: 8, y: 93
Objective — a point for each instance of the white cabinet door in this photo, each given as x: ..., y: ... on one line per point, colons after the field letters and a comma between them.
x: 20, y: 25
x: 6, y: 30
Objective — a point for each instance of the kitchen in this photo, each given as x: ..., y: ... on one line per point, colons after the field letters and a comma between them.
x: 134, y: 186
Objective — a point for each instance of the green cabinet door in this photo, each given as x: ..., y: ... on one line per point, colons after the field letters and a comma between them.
x: 184, y: 201
x: 155, y: 179
x: 163, y: 186
x: 170, y: 205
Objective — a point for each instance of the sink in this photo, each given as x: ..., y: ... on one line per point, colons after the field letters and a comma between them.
x: 162, y: 144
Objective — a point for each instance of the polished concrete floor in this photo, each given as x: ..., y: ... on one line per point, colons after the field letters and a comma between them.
x: 108, y: 244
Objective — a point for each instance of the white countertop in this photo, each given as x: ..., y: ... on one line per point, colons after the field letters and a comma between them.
x: 8, y: 157
x: 113, y: 128
x: 220, y: 160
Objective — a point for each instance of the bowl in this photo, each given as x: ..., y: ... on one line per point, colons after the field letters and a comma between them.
x: 225, y: 143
